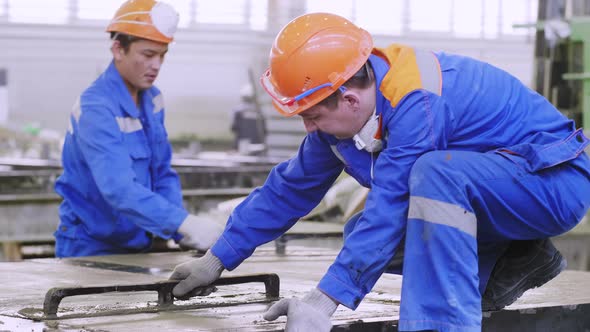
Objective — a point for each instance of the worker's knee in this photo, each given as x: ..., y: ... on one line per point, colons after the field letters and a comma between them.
x: 429, y: 168
x: 438, y: 175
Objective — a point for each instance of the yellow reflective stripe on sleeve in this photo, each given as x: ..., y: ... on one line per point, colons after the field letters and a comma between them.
x: 442, y: 213
x: 129, y: 125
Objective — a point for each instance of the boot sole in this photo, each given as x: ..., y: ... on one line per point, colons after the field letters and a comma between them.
x: 536, y: 279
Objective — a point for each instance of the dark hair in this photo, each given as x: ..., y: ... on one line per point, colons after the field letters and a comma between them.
x: 124, y: 40
x: 361, y: 79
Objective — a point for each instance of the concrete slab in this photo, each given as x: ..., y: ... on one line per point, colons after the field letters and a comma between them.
x: 561, y: 305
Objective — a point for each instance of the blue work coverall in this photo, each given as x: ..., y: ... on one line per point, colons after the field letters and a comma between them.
x: 117, y: 186
x: 471, y: 158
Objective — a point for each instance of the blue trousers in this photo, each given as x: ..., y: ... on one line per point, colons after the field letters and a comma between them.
x: 465, y: 207
x: 83, y: 245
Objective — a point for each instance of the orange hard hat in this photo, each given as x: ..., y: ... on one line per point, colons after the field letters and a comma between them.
x: 147, y: 19
x: 311, y: 57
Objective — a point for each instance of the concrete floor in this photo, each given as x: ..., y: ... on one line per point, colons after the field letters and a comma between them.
x: 564, y: 301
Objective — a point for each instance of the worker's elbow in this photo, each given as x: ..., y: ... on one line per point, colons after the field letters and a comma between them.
x: 115, y: 194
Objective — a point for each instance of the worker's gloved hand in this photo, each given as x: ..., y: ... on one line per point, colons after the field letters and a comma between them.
x: 195, y: 275
x: 199, y: 233
x: 312, y: 313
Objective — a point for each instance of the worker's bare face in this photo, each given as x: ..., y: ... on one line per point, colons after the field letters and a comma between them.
x: 140, y: 64
x: 342, y: 122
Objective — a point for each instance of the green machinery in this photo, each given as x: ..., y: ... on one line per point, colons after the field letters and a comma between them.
x: 562, y: 61
x: 562, y: 64
x: 579, y: 75
x: 562, y: 75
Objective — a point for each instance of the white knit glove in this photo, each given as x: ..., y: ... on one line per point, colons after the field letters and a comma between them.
x: 199, y: 233
x: 195, y: 274
x: 312, y: 313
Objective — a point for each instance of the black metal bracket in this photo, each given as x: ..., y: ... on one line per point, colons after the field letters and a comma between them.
x: 54, y: 296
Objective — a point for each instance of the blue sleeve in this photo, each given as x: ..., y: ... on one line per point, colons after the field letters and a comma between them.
x: 292, y: 189
x: 110, y: 164
x: 415, y: 127
x: 167, y: 182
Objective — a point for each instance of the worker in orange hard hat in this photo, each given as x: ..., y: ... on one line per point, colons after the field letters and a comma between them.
x: 118, y: 188
x: 308, y: 65
x: 151, y: 25
x: 467, y: 166
x: 145, y: 19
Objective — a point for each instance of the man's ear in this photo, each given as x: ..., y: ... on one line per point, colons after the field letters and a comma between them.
x: 352, y: 98
x: 117, y: 50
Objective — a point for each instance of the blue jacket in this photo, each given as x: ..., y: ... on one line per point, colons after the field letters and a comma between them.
x: 471, y: 106
x: 117, y: 185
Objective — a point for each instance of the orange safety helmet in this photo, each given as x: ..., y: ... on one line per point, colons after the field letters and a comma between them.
x: 147, y: 19
x: 311, y: 57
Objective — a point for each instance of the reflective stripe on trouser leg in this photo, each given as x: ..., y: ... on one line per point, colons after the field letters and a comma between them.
x: 442, y: 213
x: 440, y: 285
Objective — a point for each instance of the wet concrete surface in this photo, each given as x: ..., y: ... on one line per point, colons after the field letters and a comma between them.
x: 299, y: 270
x: 24, y: 285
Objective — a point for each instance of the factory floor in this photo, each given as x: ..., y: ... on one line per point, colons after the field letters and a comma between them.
x: 563, y: 304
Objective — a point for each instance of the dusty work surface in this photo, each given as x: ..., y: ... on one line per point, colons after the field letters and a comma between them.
x: 561, y: 305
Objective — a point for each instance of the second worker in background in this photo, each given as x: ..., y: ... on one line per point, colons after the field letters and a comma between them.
x: 118, y: 187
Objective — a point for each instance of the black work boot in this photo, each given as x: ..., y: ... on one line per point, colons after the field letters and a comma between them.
x: 524, y: 265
